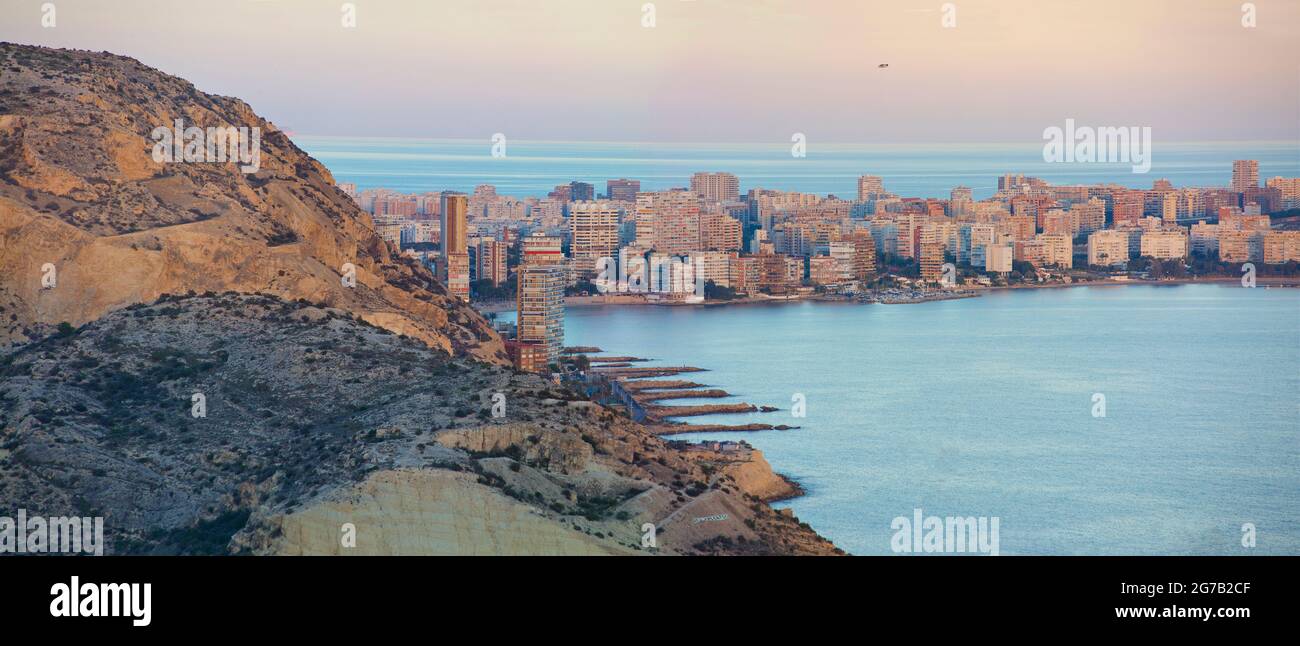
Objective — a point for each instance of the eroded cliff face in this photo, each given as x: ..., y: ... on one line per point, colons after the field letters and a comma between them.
x: 81, y: 193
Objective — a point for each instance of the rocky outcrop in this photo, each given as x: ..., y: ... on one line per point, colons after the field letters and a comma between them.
x: 755, y: 476
x: 233, y: 423
x: 428, y: 513
x: 82, y: 199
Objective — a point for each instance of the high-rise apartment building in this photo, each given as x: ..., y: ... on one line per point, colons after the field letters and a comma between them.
x: 1057, y: 221
x: 581, y: 192
x: 870, y: 186
x: 972, y: 237
x: 540, y: 249
x: 1164, y: 244
x: 1127, y: 207
x: 998, y: 257
x: 456, y: 274
x: 844, y: 253
x: 1245, y: 174
x: 1288, y: 189
x: 593, y: 234
x: 716, y: 187
x: 1058, y: 249
x: 491, y: 259
x: 454, y: 211
x: 1234, y: 246
x: 668, y: 222
x: 961, y: 202
x: 454, y: 263
x: 1281, y: 247
x: 540, y: 303
x: 931, y: 262
x: 622, y: 190
x: 712, y: 266
x: 864, y: 255
x: 1023, y: 227
x: 1108, y: 247
x: 720, y: 232
x: 1204, y: 238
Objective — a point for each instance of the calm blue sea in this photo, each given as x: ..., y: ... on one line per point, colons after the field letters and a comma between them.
x: 983, y: 407
x: 930, y: 170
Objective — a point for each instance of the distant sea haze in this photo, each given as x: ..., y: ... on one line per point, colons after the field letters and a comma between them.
x: 923, y: 170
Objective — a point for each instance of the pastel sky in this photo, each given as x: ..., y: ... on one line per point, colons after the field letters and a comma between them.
x: 715, y: 70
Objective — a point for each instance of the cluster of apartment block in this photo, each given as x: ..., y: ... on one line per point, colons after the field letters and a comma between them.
x: 667, y: 244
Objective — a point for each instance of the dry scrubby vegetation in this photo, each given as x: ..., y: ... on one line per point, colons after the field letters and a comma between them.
x: 300, y: 401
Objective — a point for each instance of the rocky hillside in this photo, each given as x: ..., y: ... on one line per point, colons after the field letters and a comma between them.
x: 314, y: 421
x: 81, y: 194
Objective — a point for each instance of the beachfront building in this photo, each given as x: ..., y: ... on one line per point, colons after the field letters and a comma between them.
x: 1108, y: 248
x: 712, y: 266
x: 742, y: 274
x: 1241, y: 246
x: 1058, y: 249
x: 844, y: 252
x: 1279, y: 247
x: 1022, y: 226
x: 961, y: 202
x: 997, y: 258
x: 540, y: 307
x: 1164, y: 244
x: 864, y: 255
x: 1204, y: 239
x: 931, y: 262
x: 971, y: 236
x: 1234, y: 246
x: 593, y: 234
x: 668, y: 222
x: 823, y: 270
x: 1033, y: 252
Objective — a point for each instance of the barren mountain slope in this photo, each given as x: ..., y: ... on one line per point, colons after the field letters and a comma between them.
x: 81, y: 194
x: 313, y: 420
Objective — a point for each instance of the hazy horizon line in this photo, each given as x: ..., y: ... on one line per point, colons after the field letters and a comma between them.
x: 1036, y: 142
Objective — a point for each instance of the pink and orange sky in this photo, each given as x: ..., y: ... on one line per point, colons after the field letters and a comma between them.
x: 715, y: 70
